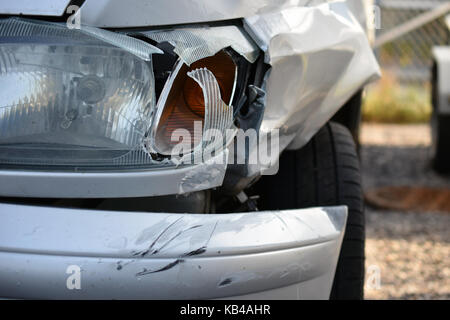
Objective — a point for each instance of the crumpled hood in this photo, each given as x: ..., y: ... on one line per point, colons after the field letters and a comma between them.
x: 139, y: 13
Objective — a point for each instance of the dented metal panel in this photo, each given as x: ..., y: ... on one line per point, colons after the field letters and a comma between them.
x: 177, y: 256
x: 320, y: 57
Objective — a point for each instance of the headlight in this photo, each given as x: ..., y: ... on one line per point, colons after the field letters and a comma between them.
x: 71, y: 99
x: 86, y: 98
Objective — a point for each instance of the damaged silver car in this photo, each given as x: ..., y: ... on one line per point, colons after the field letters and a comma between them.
x: 182, y: 149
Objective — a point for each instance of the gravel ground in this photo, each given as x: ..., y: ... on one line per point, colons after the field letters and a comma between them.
x: 407, y: 253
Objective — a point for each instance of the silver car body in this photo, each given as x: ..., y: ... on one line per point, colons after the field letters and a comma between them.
x: 319, y: 57
x: 441, y: 56
x: 125, y: 255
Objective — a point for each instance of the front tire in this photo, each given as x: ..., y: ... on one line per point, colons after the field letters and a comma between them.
x: 325, y: 172
x: 349, y: 115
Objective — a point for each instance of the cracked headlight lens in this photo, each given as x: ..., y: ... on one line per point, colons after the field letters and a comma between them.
x: 196, y: 95
x: 72, y: 99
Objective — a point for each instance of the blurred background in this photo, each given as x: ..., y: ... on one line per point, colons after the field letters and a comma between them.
x: 408, y: 202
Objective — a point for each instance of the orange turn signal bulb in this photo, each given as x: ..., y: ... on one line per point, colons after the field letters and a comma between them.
x: 183, y: 101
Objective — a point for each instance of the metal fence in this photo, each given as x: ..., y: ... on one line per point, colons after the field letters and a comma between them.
x: 408, y: 56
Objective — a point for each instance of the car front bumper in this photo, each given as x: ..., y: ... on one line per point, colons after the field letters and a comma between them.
x: 289, y: 254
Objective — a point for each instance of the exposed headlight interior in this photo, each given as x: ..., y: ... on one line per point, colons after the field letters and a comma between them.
x: 200, y: 93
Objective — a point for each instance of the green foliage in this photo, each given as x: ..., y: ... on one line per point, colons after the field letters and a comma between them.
x: 388, y: 101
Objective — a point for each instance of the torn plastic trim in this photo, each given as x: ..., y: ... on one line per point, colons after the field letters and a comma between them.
x: 122, y: 254
x: 193, y: 44
x: 205, y: 175
x: 242, y: 173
